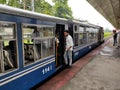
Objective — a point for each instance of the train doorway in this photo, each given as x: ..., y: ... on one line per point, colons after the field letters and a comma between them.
x: 59, y: 47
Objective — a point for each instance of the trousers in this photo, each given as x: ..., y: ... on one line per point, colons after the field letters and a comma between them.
x: 68, y: 57
x: 114, y: 41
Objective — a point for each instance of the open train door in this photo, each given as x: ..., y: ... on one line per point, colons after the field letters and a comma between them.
x: 59, y: 49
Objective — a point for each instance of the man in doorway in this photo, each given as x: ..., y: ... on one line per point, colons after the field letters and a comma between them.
x: 68, y: 48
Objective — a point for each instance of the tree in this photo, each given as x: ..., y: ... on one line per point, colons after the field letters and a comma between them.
x: 2, y: 1
x: 61, y: 9
x: 42, y: 6
x: 24, y: 4
x: 14, y: 3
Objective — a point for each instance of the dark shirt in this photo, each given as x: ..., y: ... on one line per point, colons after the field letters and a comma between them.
x: 115, y: 36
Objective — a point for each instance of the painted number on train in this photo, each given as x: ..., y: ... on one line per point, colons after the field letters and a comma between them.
x: 77, y: 53
x: 47, y: 69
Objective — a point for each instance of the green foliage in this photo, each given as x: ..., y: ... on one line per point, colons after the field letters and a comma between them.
x: 43, y: 7
x: 13, y: 3
x: 107, y: 34
x: 2, y: 1
x: 60, y: 1
x: 61, y: 9
x: 25, y: 4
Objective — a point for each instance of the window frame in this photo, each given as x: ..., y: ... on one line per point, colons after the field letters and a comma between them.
x: 17, y: 55
x: 41, y: 38
x: 79, y: 32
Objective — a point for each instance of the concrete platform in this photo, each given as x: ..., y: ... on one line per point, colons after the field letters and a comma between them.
x: 98, y: 70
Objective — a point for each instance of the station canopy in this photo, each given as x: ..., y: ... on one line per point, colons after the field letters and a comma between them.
x: 110, y: 9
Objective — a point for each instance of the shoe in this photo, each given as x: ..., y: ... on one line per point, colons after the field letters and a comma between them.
x: 64, y: 66
x: 69, y: 66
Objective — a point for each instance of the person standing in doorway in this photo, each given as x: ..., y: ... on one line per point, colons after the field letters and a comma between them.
x: 68, y: 49
x: 56, y: 40
x: 56, y: 48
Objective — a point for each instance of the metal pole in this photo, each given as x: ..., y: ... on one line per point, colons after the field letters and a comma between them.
x: 32, y: 5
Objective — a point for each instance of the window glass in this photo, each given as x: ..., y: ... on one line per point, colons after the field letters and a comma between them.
x: 47, y: 47
x: 76, y: 38
x: 80, y: 36
x: 81, y: 30
x: 95, y: 34
x: 38, y: 42
x: 91, y: 35
x: 76, y: 35
x: 88, y: 29
x: 76, y: 28
x: 7, y: 31
x: 47, y: 32
x: 8, y: 50
x: 84, y: 37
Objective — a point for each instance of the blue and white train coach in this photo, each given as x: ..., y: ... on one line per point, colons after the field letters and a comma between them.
x: 86, y: 37
x: 27, y: 58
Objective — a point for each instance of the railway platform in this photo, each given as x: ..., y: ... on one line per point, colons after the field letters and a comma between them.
x: 98, y: 70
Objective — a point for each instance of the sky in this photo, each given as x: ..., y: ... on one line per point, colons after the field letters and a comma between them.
x: 83, y: 10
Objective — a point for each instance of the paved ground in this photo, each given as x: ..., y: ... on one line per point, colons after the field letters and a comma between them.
x: 101, y: 73
x: 98, y: 70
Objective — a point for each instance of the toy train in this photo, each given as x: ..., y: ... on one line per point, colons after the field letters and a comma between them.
x: 26, y: 59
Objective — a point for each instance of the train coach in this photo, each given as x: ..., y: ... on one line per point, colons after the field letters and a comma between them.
x: 86, y: 37
x: 28, y: 52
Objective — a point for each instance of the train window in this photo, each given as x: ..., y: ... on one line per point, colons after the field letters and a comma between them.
x: 84, y: 37
x: 47, y: 47
x: 79, y: 36
x: 95, y: 34
x: 76, y: 39
x: 32, y: 44
x: 81, y: 30
x: 91, y: 36
x: 75, y: 28
x: 47, y: 31
x: 38, y: 42
x: 76, y: 36
x: 8, y: 48
x: 88, y: 29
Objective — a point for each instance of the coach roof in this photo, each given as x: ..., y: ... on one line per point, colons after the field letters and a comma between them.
x: 26, y: 13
